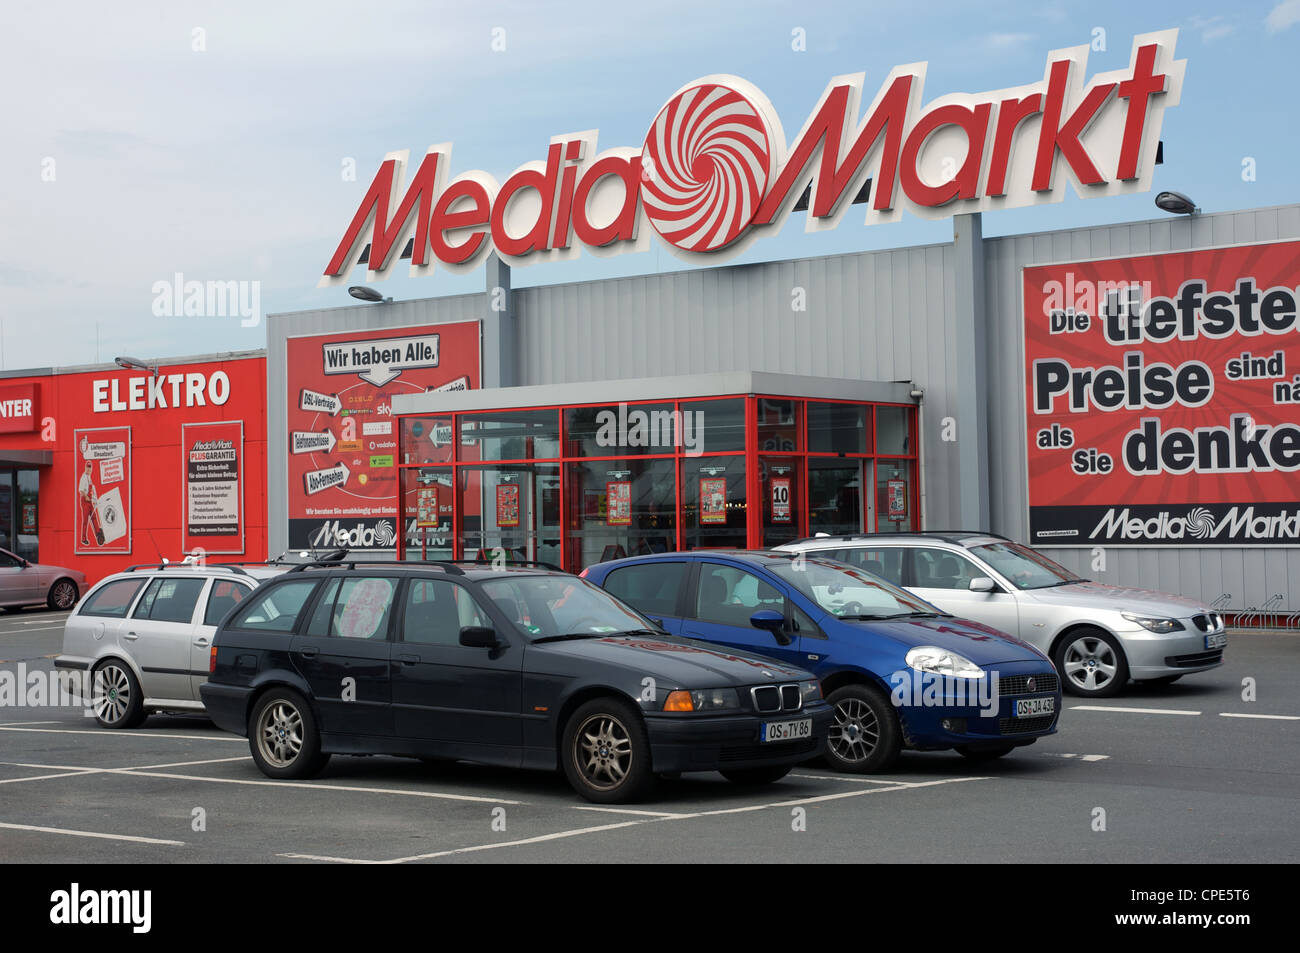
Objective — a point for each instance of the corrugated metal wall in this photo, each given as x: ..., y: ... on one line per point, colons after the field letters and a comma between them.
x: 884, y: 315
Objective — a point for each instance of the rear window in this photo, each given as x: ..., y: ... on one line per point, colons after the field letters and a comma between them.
x: 169, y: 600
x: 276, y: 609
x: 886, y: 562
x: 112, y: 600
x: 225, y: 596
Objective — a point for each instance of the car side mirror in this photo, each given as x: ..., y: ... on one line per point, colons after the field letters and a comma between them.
x: 771, y: 621
x: 983, y: 584
x: 479, y: 637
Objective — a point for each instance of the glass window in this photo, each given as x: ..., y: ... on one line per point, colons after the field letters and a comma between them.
x: 620, y: 508
x: 428, y: 502
x: 886, y: 563
x: 941, y: 569
x: 276, y: 609
x: 1026, y: 568
x: 113, y: 599
x: 782, y: 498
x: 225, y: 595
x: 713, y: 503
x: 362, y: 608
x: 436, y: 611
x: 511, y: 512
x: 510, y: 435
x: 426, y: 439
x: 849, y: 594
x: 623, y: 430
x: 778, y: 425
x: 9, y: 560
x: 543, y: 607
x: 323, y: 614
x: 26, y: 518
x: 839, y: 428
x: 893, y: 431
x: 169, y: 600
x: 713, y: 426
x: 728, y: 595
x: 835, y: 497
x: 650, y: 588
x: 894, y: 497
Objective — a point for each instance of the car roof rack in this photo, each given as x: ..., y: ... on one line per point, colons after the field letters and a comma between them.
x: 336, y: 562
x: 513, y: 562
x: 943, y: 533
x: 154, y: 567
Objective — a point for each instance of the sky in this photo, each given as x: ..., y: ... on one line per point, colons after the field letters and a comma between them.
x: 214, y: 140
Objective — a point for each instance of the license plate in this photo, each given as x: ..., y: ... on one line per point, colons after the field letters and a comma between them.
x: 787, y: 730
x: 1216, y: 641
x: 1034, y: 707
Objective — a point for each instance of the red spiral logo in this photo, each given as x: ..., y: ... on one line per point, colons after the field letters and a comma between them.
x: 704, y: 167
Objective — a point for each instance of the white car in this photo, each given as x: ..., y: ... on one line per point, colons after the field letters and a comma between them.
x: 1098, y: 636
x: 145, y: 636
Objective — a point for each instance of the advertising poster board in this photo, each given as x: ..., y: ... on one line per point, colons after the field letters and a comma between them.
x: 618, y: 509
x: 102, y: 490
x: 214, y: 486
x: 507, y: 504
x: 713, y: 499
x: 781, y: 512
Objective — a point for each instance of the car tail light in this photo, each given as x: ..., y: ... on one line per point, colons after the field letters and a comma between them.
x: 212, y: 660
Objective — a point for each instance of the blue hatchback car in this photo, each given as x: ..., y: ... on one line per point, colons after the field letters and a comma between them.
x: 899, y: 672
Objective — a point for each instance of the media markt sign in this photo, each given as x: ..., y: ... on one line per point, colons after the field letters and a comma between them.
x: 715, y: 170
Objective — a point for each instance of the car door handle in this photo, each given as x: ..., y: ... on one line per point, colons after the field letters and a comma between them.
x: 201, y: 641
x: 131, y: 635
x: 308, y: 652
x: 408, y: 659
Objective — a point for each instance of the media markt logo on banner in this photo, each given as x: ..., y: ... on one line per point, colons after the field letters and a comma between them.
x: 715, y: 170
x: 1200, y: 524
x: 359, y: 536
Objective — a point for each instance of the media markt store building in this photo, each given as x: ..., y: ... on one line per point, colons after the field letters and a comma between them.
x: 563, y: 475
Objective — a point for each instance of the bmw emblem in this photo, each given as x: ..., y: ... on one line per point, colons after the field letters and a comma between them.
x: 768, y: 674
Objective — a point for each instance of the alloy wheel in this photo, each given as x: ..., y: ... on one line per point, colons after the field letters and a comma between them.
x: 64, y: 595
x: 855, y: 732
x: 602, y: 751
x: 111, y: 693
x: 279, y: 734
x: 1090, y: 663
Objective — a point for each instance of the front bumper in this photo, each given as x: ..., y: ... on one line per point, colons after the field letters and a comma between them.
x: 982, y: 713
x: 696, y: 742
x: 227, y: 706
x: 1152, y: 655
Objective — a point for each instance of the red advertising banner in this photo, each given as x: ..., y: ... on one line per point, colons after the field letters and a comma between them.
x: 213, y: 520
x: 618, y: 507
x: 1163, y: 398
x: 781, y: 512
x: 102, y: 493
x: 342, y: 437
x: 897, y: 497
x: 508, y: 504
x: 19, y: 408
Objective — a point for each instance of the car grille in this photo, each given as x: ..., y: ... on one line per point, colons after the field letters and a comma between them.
x: 761, y: 752
x: 1191, y: 661
x: 1017, y: 684
x: 771, y: 699
x: 1018, y: 726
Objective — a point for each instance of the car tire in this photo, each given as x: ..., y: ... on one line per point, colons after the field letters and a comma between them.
x: 1085, y: 654
x: 985, y: 754
x: 606, y: 752
x: 116, y: 697
x: 283, y: 737
x: 63, y: 595
x: 865, y: 734
x: 756, y: 776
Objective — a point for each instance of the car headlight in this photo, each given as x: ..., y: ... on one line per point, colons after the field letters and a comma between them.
x: 812, y: 691
x: 709, y: 699
x: 1154, y: 624
x: 930, y: 658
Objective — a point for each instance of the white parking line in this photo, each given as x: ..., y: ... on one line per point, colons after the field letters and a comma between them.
x: 125, y: 837
x: 66, y: 773
x: 845, y: 777
x: 626, y: 810
x: 45, y: 620
x: 1238, y: 714
x: 541, y: 838
x: 122, y: 734
x: 1081, y: 757
x: 43, y: 628
x: 11, y: 724
x: 1134, y: 711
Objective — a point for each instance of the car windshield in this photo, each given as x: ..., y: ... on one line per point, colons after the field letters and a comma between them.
x: 1025, y: 568
x: 850, y: 593
x: 555, y: 607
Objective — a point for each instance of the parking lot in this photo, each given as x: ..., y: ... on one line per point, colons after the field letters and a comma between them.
x: 1191, y: 772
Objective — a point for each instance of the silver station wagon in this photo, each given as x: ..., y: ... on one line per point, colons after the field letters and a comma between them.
x: 1098, y: 636
x: 145, y: 635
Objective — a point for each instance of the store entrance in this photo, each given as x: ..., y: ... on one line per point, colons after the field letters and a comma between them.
x: 18, y: 512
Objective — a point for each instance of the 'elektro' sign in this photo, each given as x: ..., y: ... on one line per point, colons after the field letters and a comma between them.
x: 715, y: 171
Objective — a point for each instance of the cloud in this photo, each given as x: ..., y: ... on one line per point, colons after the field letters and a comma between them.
x: 1212, y: 28
x: 1007, y: 41
x: 1285, y: 14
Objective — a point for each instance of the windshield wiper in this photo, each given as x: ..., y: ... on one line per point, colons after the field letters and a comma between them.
x: 570, y: 635
x: 642, y: 632
x: 923, y: 615
x: 862, y: 616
